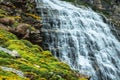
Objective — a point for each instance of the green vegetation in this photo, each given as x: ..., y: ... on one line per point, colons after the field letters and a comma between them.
x: 40, y: 64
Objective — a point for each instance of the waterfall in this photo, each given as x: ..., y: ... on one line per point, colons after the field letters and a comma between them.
x: 80, y: 38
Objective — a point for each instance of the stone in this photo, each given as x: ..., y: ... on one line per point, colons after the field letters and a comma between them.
x: 22, y: 28
x: 7, y: 20
x: 15, y: 54
x: 19, y: 73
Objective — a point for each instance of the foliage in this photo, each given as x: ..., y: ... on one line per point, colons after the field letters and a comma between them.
x: 3, y: 13
x: 33, y: 16
x: 48, y: 67
x: 4, y: 75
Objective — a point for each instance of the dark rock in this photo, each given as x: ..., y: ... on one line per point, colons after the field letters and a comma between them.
x: 19, y: 3
x: 117, y: 1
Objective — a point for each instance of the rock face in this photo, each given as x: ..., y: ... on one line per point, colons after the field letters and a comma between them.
x: 21, y: 20
x: 112, y: 8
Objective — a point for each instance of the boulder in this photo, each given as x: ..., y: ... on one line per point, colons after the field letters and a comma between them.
x: 22, y: 28
x: 7, y: 20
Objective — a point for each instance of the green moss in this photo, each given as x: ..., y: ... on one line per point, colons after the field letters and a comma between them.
x: 49, y: 67
x: 15, y: 24
x: 27, y: 43
x: 3, y: 13
x: 4, y: 55
x: 5, y: 61
x: 5, y: 36
x: 46, y: 54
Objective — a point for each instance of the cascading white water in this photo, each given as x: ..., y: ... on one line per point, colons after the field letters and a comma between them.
x: 79, y: 37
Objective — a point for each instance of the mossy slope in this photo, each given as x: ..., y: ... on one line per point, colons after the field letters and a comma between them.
x: 34, y: 61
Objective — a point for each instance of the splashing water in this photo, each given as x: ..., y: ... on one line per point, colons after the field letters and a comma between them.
x: 79, y: 37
